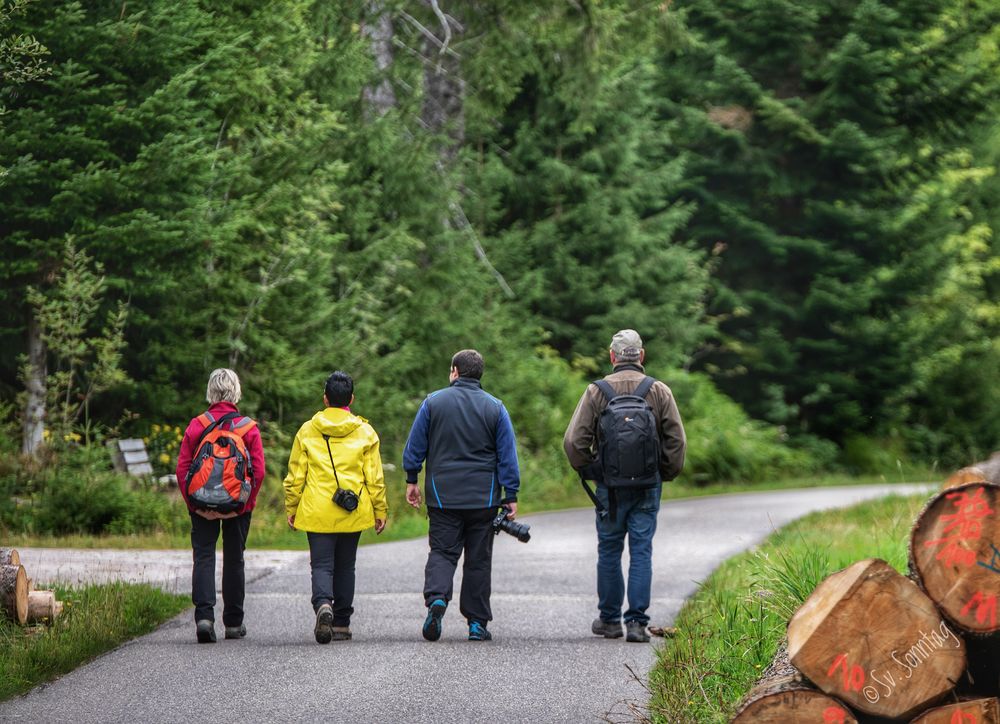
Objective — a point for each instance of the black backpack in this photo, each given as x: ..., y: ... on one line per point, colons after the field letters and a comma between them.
x: 628, y: 444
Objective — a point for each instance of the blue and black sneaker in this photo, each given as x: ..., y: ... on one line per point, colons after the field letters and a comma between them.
x: 432, y: 624
x: 478, y: 632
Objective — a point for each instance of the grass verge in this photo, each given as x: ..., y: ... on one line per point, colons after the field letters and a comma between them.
x: 95, y: 619
x: 729, y: 632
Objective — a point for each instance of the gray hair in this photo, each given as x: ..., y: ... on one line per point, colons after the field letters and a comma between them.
x: 223, y: 386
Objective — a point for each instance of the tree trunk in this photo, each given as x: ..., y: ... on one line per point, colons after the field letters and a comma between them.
x: 14, y: 593
x: 987, y: 471
x: 782, y: 695
x: 377, y: 27
x: 9, y: 557
x: 35, y: 375
x: 43, y: 607
x: 443, y: 111
x: 954, y: 557
x: 873, y: 639
x: 977, y: 711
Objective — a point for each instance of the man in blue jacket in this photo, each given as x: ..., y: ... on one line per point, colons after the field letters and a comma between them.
x: 466, y: 437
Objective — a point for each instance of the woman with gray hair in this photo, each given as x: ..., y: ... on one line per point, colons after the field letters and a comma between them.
x: 238, y: 434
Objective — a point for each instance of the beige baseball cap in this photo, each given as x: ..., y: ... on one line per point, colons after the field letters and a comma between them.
x: 626, y: 344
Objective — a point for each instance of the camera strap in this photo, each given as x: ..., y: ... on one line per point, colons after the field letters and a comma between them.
x: 326, y: 439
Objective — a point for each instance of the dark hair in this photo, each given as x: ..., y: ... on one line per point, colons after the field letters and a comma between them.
x: 469, y: 363
x: 339, y: 389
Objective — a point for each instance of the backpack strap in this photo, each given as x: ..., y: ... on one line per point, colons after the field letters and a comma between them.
x: 607, y: 389
x: 644, y: 387
x: 243, y: 426
x: 601, y: 510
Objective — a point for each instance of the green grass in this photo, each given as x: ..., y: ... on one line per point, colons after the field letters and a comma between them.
x: 95, y: 619
x: 728, y: 633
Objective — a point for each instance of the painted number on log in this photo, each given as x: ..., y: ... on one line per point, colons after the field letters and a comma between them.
x: 834, y: 715
x: 985, y: 608
x: 963, y: 525
x: 854, y: 676
x: 960, y: 718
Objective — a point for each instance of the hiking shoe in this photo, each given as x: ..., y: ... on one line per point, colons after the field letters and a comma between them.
x: 432, y: 624
x: 341, y: 633
x: 324, y: 624
x: 479, y: 632
x: 236, y: 632
x: 636, y: 632
x: 607, y: 629
x: 206, y: 631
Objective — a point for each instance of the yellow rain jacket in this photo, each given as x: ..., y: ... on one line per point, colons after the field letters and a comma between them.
x: 310, y: 483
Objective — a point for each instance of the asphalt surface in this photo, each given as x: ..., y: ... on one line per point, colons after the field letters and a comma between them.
x: 543, y: 665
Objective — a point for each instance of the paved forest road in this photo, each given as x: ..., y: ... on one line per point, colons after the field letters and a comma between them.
x: 543, y: 665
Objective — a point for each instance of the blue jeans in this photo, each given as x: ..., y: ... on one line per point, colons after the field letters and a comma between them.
x: 635, y: 515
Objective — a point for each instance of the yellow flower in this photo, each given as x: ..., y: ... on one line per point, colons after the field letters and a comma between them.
x: 164, y: 458
x: 156, y: 428
x: 177, y: 429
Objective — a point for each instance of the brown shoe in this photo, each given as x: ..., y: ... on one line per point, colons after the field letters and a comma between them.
x: 341, y: 633
x: 607, y: 629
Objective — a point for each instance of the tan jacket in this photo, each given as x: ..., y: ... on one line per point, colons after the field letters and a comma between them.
x: 580, y: 440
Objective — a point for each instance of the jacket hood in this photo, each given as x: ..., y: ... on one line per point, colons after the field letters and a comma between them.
x: 335, y: 422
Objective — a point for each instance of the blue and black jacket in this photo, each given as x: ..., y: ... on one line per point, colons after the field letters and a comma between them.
x: 466, y: 437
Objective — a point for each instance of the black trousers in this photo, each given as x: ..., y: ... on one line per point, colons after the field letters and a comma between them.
x: 204, y: 536
x: 451, y: 533
x: 331, y: 558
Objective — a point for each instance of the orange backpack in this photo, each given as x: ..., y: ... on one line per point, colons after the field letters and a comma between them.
x: 221, y: 476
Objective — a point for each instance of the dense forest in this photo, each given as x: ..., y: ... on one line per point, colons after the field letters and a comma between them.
x: 794, y: 203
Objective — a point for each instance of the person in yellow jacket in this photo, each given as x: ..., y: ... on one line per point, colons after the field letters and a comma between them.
x: 334, y: 490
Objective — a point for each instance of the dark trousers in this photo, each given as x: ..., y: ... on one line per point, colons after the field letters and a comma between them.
x: 204, y: 536
x: 332, y: 557
x: 451, y: 533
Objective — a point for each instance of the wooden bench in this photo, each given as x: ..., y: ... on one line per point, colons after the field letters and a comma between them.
x: 130, y: 456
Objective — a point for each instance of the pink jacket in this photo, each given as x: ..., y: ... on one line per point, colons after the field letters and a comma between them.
x: 254, y: 447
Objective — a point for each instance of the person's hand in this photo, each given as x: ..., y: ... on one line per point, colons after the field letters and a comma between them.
x: 379, y: 525
x: 511, y: 510
x: 291, y: 522
x: 223, y: 516
x: 413, y: 494
x: 208, y: 514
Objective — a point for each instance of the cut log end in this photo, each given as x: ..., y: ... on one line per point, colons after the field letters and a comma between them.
x: 871, y: 638
x: 43, y: 607
x: 14, y: 593
x: 954, y: 556
x: 977, y: 711
x: 796, y: 706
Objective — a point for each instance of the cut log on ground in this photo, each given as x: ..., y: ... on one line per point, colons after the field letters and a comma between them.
x: 870, y: 637
x: 954, y: 556
x: 976, y: 711
x: 782, y: 695
x: 987, y: 471
x: 43, y: 607
x: 14, y: 593
x: 9, y: 557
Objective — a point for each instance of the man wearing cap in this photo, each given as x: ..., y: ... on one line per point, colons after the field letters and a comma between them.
x: 630, y: 511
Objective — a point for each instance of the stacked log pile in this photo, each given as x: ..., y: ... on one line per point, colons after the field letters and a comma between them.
x: 873, y: 645
x: 18, y: 600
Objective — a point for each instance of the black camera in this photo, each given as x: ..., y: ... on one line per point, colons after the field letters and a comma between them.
x: 346, y: 499
x: 521, y: 531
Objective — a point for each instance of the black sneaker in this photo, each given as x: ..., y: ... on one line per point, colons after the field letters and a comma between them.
x: 479, y: 632
x: 206, y: 631
x: 607, y: 629
x: 324, y: 624
x: 236, y: 632
x: 432, y: 624
x: 636, y: 632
